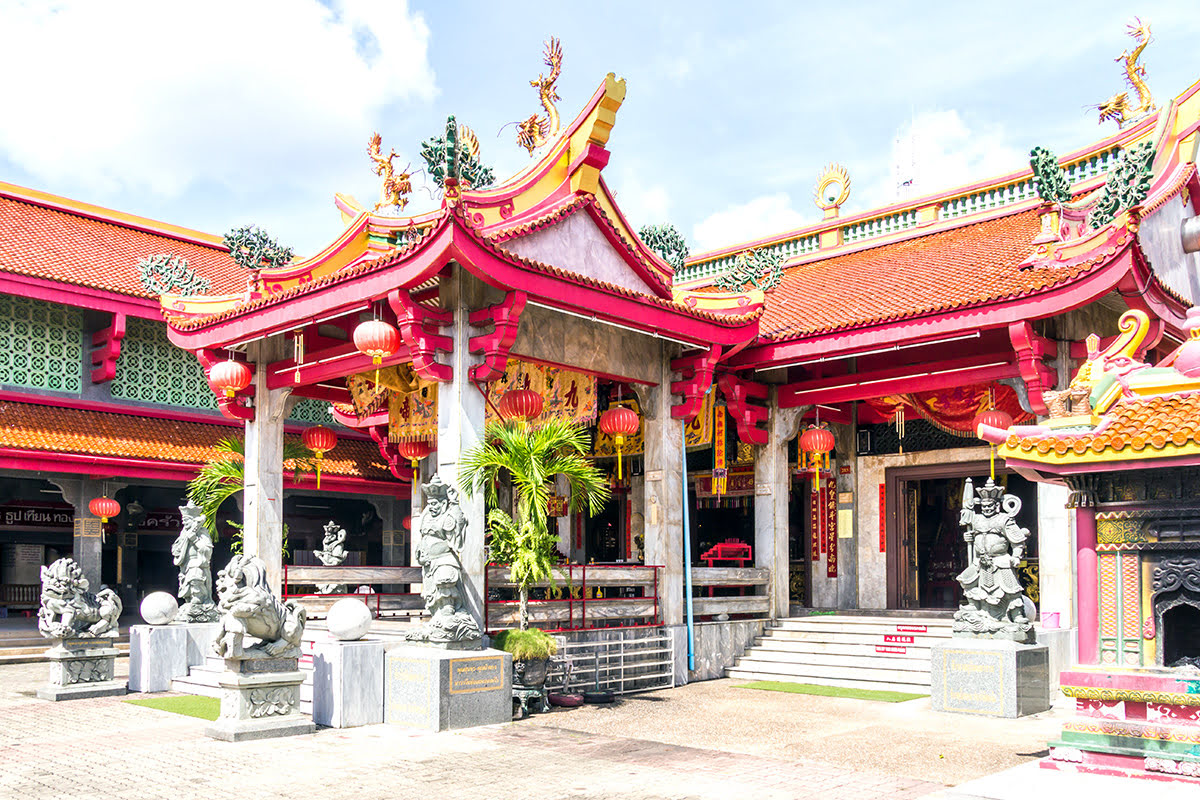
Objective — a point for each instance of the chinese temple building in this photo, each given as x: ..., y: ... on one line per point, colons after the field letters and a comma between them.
x: 96, y: 402
x: 808, y: 402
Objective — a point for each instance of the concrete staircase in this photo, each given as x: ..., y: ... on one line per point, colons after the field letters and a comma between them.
x: 864, y: 652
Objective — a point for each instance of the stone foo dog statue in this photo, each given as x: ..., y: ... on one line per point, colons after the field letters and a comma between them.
x: 248, y: 608
x: 69, y: 610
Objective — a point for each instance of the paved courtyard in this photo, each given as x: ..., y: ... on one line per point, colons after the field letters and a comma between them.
x: 706, y: 740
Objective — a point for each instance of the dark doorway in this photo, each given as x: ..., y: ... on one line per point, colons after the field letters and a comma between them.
x: 926, y: 550
x: 1181, y: 636
x: 604, y: 533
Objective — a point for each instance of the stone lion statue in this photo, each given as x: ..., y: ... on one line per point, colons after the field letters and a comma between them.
x: 249, y: 609
x: 69, y: 610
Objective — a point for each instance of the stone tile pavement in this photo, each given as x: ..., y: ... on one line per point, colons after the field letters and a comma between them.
x: 706, y: 740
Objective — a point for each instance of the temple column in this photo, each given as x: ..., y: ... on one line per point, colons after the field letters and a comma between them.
x: 263, y: 482
x: 87, y: 542
x: 771, y: 489
x: 1088, y: 595
x: 663, y: 478
x: 417, y: 506
x: 460, y: 425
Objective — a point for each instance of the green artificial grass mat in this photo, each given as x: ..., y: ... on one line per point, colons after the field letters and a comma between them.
x: 189, y: 705
x: 831, y: 691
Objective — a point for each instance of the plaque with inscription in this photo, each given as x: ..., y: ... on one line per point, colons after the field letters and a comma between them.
x: 411, y: 692
x: 476, y: 675
x: 974, y: 682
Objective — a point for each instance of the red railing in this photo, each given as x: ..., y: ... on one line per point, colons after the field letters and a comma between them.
x: 588, y: 596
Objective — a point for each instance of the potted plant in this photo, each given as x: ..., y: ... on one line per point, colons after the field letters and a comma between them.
x: 531, y: 459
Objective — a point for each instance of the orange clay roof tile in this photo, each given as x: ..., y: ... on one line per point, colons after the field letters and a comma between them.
x: 963, y: 267
x: 61, y: 246
x: 27, y: 426
x: 1132, y: 423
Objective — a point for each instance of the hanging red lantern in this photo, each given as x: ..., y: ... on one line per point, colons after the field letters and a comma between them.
x: 230, y: 377
x: 407, y: 523
x: 815, y: 446
x: 993, y: 418
x: 619, y: 422
x: 414, y: 451
x: 378, y: 340
x: 523, y: 405
x: 104, y: 507
x: 320, y: 440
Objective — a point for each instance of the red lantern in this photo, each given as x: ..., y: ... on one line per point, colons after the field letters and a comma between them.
x: 523, y: 405
x: 104, y: 507
x: 378, y: 340
x: 407, y: 523
x: 414, y: 451
x: 229, y: 376
x: 320, y: 440
x: 995, y: 419
x: 816, y: 444
x: 619, y: 422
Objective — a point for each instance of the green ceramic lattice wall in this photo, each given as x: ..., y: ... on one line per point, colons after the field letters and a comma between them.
x: 312, y: 410
x: 153, y: 370
x: 41, y: 345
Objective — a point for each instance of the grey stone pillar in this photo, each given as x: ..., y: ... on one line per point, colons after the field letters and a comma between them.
x: 460, y: 424
x: 418, y: 505
x: 88, y: 541
x: 772, y: 485
x: 663, y: 493
x: 263, y: 486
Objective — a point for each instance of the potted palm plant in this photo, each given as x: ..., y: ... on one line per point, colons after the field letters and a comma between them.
x: 530, y: 459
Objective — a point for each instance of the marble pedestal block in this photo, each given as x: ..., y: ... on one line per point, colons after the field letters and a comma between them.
x: 260, y: 699
x: 441, y: 690
x: 200, y: 637
x: 992, y: 677
x: 81, y: 668
x: 157, y: 655
x: 347, y: 682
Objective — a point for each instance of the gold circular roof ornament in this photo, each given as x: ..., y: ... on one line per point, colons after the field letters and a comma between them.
x: 833, y: 187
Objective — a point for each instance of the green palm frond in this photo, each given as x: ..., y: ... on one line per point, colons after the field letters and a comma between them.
x: 530, y: 459
x: 225, y: 476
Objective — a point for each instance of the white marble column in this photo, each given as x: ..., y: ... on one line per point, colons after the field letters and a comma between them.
x: 663, y: 497
x: 460, y: 424
x: 263, y: 486
x: 772, y: 485
x: 1056, y: 554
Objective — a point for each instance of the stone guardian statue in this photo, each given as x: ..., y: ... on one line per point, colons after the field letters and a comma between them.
x: 442, y: 530
x: 332, y: 554
x: 994, y: 603
x: 192, y: 552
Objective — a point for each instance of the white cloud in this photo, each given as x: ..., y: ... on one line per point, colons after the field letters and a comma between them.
x: 763, y: 216
x: 945, y: 152
x: 152, y: 96
x: 641, y: 203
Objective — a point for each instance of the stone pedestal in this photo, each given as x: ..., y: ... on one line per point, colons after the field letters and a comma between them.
x: 991, y: 677
x: 441, y: 690
x: 200, y: 637
x: 347, y: 682
x: 81, y: 668
x: 157, y: 655
x: 260, y: 699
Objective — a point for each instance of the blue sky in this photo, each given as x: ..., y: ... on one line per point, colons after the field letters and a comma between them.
x: 223, y: 113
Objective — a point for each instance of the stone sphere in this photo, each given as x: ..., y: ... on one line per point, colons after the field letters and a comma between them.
x: 348, y: 619
x: 159, y: 608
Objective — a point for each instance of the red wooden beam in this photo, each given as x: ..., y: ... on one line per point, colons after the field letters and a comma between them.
x: 419, y: 326
x: 742, y: 398
x: 697, y: 376
x: 899, y: 380
x: 328, y: 364
x: 237, y: 407
x: 1031, y: 349
x: 107, y: 344
x: 506, y: 317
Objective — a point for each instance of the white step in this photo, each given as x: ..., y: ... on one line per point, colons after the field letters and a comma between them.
x: 778, y: 645
x: 818, y: 672
x: 834, y: 660
x: 864, y: 626
x: 902, y: 639
x: 750, y: 675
